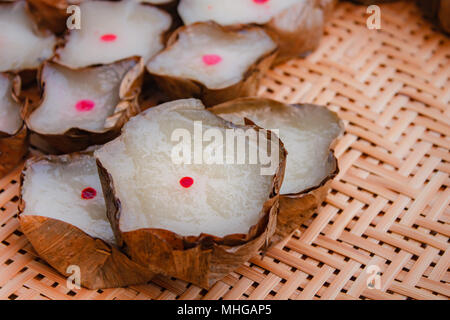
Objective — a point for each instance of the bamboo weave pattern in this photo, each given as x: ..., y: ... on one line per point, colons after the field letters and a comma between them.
x: 388, y: 210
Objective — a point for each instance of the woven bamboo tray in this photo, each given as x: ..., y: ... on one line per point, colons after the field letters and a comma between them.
x: 388, y: 210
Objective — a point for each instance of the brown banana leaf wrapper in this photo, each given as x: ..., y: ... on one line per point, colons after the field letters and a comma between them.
x: 203, y: 259
x: 170, y: 5
x: 169, y: 8
x: 438, y: 11
x: 180, y: 88
x: 13, y: 148
x: 444, y: 15
x: 295, y: 208
x: 172, y: 8
x: 369, y: 2
x: 29, y: 79
x: 61, y: 244
x: 75, y: 139
x: 151, y: 96
x: 308, y: 18
x: 51, y: 14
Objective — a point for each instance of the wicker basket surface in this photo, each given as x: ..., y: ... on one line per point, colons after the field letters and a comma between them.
x: 388, y: 211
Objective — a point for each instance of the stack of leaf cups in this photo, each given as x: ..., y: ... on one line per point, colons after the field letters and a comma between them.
x: 116, y: 200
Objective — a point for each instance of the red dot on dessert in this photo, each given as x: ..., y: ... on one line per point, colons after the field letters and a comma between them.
x: 186, y: 182
x: 88, y: 193
x: 211, y: 59
x: 260, y: 1
x: 85, y: 105
x: 109, y: 37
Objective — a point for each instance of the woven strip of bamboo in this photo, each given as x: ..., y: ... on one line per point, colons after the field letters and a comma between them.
x: 388, y: 211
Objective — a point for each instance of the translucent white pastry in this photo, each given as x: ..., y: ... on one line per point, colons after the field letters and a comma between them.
x: 297, y: 25
x: 69, y: 191
x: 82, y: 99
x: 212, y: 56
x: 10, y: 119
x: 111, y: 31
x: 231, y: 12
x: 307, y: 132
x: 187, y: 199
x: 63, y: 215
x: 22, y: 46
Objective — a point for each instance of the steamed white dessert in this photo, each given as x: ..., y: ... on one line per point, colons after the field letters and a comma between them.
x: 111, y: 31
x: 21, y: 45
x: 231, y: 12
x: 158, y: 190
x: 10, y: 120
x: 212, y: 56
x: 155, y: 1
x: 82, y: 99
x: 306, y: 131
x: 296, y: 25
x: 52, y: 14
x: 64, y: 216
x: 69, y: 191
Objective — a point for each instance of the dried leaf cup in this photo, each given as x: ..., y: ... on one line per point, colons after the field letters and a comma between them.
x: 437, y: 10
x: 213, y: 63
x: 308, y: 133
x: 74, y: 238
x: 13, y: 133
x: 112, y: 31
x: 212, y: 240
x: 13, y: 151
x: 299, y: 29
x: 167, y: 5
x: 84, y: 107
x: 51, y: 14
x: 24, y: 45
x: 296, y: 25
